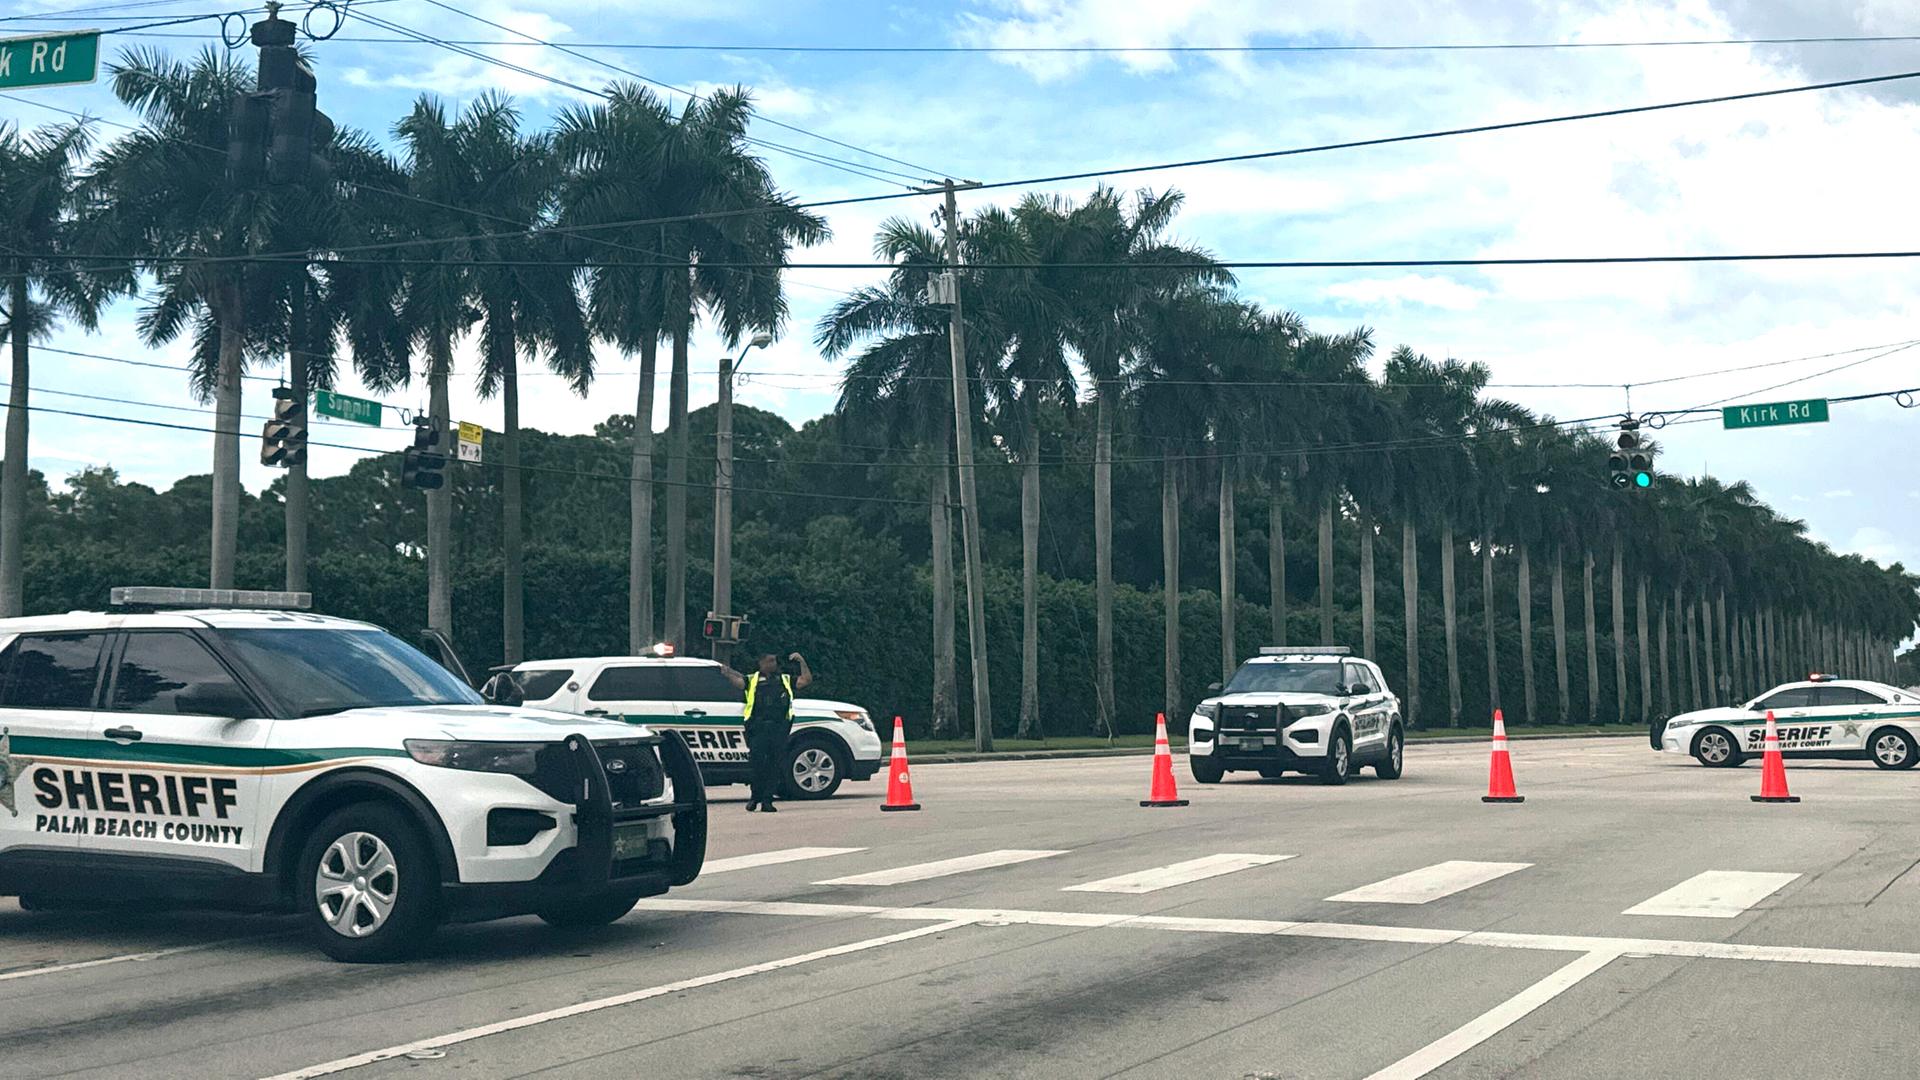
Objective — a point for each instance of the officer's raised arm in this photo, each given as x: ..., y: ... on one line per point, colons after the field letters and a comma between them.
x: 806, y: 673
x: 738, y: 680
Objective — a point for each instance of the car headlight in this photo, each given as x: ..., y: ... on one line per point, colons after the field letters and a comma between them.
x: 856, y: 716
x: 1677, y: 722
x: 1300, y: 711
x: 519, y: 759
x: 1208, y: 709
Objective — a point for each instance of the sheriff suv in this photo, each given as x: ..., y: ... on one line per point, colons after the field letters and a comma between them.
x: 267, y: 758
x: 1320, y: 710
x: 832, y: 741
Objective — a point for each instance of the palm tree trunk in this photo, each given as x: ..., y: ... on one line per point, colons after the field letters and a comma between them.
x: 1729, y: 665
x: 1366, y: 584
x: 1170, y: 582
x: 1030, y: 727
x: 13, y: 470
x: 1640, y: 643
x: 1326, y: 571
x: 1486, y: 619
x: 1229, y: 592
x: 946, y: 708
x: 1560, y: 633
x: 1593, y: 641
x: 1525, y: 589
x: 1410, y: 595
x: 1685, y: 612
x: 230, y: 316
x: 1619, y: 634
x: 1103, y: 557
x: 677, y: 446
x: 440, y: 500
x: 1666, y: 679
x: 1447, y: 618
x: 640, y: 615
x: 297, y: 488
x: 1276, y: 561
x: 513, y: 625
x: 1708, y: 668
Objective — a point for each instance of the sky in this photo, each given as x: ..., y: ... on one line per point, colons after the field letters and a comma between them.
x: 1806, y: 172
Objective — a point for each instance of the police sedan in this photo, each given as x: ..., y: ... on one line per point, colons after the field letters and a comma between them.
x: 1823, y: 717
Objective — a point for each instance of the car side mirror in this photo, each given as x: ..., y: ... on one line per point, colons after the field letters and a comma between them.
x: 1213, y: 688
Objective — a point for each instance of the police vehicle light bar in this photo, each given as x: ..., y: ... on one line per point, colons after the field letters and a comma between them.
x: 1818, y: 677
x: 1305, y: 650
x: 664, y: 648
x: 156, y: 596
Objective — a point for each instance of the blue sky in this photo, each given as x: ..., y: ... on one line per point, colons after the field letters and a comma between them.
x: 1817, y: 171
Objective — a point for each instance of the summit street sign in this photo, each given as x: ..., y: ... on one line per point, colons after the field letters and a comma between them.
x: 49, y: 60
x: 1807, y: 411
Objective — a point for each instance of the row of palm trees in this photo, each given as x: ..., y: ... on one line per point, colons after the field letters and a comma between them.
x: 1230, y: 397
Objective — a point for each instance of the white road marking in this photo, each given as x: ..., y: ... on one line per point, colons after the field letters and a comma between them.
x: 1429, y: 883
x: 773, y: 858
x: 901, y: 875
x: 1492, y: 1022
x: 1411, y: 935
x: 1180, y: 873
x: 80, y: 965
x: 1716, y: 894
x: 441, y: 1042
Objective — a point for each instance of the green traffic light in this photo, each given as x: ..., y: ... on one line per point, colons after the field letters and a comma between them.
x: 1643, y: 479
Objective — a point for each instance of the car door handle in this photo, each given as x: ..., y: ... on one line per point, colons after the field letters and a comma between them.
x: 593, y: 712
x: 694, y: 712
x: 123, y: 734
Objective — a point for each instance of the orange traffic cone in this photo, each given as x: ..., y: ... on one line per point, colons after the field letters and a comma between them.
x: 1500, y: 770
x: 1162, y: 792
x: 1773, y: 769
x: 899, y: 781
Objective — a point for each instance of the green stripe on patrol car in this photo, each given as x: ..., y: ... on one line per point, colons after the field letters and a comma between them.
x: 236, y: 757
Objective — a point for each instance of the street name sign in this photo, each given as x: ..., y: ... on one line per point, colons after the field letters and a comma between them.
x: 342, y: 407
x: 1774, y: 414
x: 49, y: 60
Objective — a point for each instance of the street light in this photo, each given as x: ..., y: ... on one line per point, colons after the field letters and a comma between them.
x: 723, y: 485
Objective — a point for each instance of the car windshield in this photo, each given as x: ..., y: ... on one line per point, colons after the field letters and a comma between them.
x: 314, y: 671
x: 1286, y: 678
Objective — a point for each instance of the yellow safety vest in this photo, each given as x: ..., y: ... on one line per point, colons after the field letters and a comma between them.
x: 753, y: 684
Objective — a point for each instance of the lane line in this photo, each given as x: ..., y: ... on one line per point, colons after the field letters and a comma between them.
x: 1493, y: 1021
x: 1180, y: 873
x: 901, y: 875
x: 773, y: 858
x: 1429, y: 883
x: 441, y: 1042
x: 1715, y: 894
x: 134, y: 958
x: 1410, y: 935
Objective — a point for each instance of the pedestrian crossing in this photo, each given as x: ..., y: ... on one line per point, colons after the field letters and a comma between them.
x: 1711, y: 894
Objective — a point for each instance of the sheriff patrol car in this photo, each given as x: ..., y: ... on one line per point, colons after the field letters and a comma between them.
x: 1320, y: 710
x: 263, y: 757
x: 1823, y: 717
x: 832, y: 741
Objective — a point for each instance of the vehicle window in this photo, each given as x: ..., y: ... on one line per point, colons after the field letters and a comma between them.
x: 632, y: 682
x: 1373, y: 681
x: 542, y: 683
x: 320, y: 670
x: 172, y: 673
x: 53, y: 671
x: 1845, y: 695
x: 1799, y: 697
x: 703, y: 683
x: 1350, y: 675
x: 1285, y: 678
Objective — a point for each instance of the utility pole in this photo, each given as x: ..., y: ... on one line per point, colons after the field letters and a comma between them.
x: 723, y: 490
x: 969, y: 502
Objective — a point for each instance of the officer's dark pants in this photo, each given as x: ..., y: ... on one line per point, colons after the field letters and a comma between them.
x: 766, y: 746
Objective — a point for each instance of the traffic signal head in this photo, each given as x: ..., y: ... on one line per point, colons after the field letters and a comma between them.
x: 421, y: 463
x: 283, y: 439
x: 1630, y: 466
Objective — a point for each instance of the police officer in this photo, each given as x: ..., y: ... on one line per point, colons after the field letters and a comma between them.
x: 769, y: 716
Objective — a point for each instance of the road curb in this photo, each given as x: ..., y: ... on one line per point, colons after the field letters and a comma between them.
x: 1146, y: 751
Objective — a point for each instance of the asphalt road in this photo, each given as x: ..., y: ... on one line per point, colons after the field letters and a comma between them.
x: 1270, y: 929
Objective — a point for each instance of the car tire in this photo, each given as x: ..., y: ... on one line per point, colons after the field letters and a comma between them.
x: 1716, y: 748
x: 1339, y: 764
x: 367, y: 885
x: 1272, y: 772
x: 814, y: 769
x: 585, y: 912
x: 1206, y: 770
x: 1892, y: 748
x: 1389, y: 767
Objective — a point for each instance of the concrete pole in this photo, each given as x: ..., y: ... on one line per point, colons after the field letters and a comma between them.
x: 969, y: 503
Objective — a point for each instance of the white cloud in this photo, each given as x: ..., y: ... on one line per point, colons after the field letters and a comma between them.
x: 1838, y: 493
x: 1421, y: 289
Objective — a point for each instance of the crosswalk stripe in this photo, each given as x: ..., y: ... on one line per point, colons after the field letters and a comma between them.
x: 1180, y: 873
x: 1429, y: 883
x: 1715, y: 894
x: 901, y: 875
x: 773, y: 858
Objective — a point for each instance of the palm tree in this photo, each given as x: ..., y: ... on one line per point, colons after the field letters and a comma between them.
x: 39, y: 196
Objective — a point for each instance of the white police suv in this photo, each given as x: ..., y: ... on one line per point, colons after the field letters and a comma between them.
x: 832, y: 741
x: 1823, y: 717
x: 1315, y: 710
x: 254, y: 756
